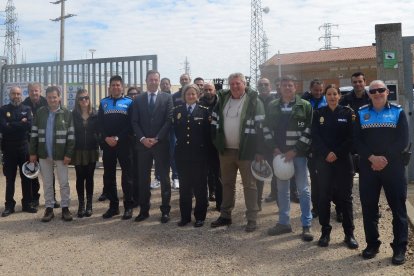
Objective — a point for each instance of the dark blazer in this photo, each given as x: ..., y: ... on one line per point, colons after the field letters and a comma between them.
x: 192, y: 132
x: 155, y: 125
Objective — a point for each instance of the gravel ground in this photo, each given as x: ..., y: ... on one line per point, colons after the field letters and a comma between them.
x: 91, y: 246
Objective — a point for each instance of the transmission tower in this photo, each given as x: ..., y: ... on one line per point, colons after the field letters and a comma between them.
x: 265, y: 47
x: 11, y: 38
x: 256, y: 40
x: 328, y: 36
x: 186, y: 66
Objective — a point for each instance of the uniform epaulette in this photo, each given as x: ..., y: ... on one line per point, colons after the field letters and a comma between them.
x: 202, y: 106
x: 178, y: 106
x: 364, y: 106
x: 348, y: 107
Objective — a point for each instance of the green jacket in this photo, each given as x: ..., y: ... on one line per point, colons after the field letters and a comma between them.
x: 63, y: 136
x: 252, y: 117
x: 298, y: 129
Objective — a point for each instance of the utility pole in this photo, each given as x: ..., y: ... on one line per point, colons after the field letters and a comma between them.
x: 328, y: 36
x: 62, y: 35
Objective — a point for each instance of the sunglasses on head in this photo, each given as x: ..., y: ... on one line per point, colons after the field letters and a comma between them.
x: 379, y: 90
x: 83, y: 98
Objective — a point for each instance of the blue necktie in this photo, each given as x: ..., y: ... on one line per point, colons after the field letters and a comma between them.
x: 151, y: 103
x: 189, y: 110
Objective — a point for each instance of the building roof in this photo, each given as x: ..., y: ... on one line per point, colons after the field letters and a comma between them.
x: 322, y: 56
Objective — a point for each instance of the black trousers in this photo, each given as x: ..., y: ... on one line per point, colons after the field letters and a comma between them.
x: 160, y: 154
x: 84, y: 180
x: 314, y: 183
x: 14, y: 157
x: 335, y: 180
x: 135, y: 173
x: 193, y: 181
x: 214, y: 176
x: 121, y: 153
x: 392, y: 179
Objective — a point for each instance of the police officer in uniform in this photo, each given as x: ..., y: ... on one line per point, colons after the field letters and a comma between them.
x: 192, y: 128
x: 331, y: 142
x: 115, y: 128
x: 381, y: 135
x: 16, y: 122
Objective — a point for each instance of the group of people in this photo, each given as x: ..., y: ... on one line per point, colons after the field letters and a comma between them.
x: 207, y: 137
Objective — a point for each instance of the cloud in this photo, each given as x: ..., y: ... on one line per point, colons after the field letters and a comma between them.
x: 213, y: 35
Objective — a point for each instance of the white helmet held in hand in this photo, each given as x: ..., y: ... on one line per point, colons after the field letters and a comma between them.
x: 31, y: 170
x: 261, y: 170
x: 283, y: 170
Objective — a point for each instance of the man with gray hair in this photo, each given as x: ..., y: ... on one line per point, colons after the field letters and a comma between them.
x: 237, y: 119
x: 15, y: 123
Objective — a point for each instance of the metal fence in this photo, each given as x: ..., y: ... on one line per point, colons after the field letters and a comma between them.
x: 91, y: 74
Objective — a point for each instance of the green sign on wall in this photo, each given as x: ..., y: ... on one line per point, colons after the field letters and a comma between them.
x: 390, y: 59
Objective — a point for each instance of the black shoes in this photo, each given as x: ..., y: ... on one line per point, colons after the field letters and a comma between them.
x: 324, y: 240
x: 66, y: 214
x: 29, y: 209
x: 182, y: 223
x: 315, y: 213
x: 398, y: 258
x: 56, y: 205
x: 127, y: 214
x: 81, y: 210
x: 199, y: 223
x: 221, y: 222
x: 165, y: 218
x: 351, y: 242
x: 110, y: 213
x: 370, y: 252
x: 49, y: 215
x: 270, y: 198
x: 102, y: 197
x: 88, y: 211
x: 141, y: 217
x: 7, y: 212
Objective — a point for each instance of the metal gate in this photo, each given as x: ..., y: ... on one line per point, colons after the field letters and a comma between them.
x: 91, y: 74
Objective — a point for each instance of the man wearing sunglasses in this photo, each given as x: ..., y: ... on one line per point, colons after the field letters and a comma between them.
x: 380, y: 137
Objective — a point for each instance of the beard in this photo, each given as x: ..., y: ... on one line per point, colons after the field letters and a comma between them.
x: 16, y: 102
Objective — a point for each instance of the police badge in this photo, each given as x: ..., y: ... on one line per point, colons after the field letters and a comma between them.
x: 321, y: 120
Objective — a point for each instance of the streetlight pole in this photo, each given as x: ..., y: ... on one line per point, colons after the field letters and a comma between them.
x: 92, y: 51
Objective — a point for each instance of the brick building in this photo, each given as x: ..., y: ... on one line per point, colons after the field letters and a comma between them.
x: 332, y: 66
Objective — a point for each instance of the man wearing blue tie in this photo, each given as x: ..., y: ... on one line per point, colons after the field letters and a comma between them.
x: 151, y: 122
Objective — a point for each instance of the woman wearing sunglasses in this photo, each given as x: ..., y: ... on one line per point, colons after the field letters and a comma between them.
x: 381, y: 135
x: 86, y: 150
x: 332, y: 142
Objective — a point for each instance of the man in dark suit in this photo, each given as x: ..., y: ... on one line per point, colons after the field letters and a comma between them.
x: 151, y: 121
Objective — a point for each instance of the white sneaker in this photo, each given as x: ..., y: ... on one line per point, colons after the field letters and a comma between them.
x: 155, y: 184
x: 176, y: 184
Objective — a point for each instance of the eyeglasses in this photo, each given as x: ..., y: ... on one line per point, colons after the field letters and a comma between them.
x: 379, y: 90
x: 86, y: 98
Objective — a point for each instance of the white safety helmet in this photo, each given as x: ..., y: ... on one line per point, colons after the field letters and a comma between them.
x: 261, y: 170
x: 283, y: 170
x: 31, y: 170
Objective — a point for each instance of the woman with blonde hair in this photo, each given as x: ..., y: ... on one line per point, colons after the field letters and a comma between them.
x: 86, y: 150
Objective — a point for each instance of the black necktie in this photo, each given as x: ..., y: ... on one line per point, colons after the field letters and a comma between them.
x: 189, y: 109
x: 151, y: 103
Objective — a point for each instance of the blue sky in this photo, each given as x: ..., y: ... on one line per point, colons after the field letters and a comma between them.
x: 214, y: 35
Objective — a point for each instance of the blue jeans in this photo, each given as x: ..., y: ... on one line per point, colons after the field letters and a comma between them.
x: 283, y: 194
